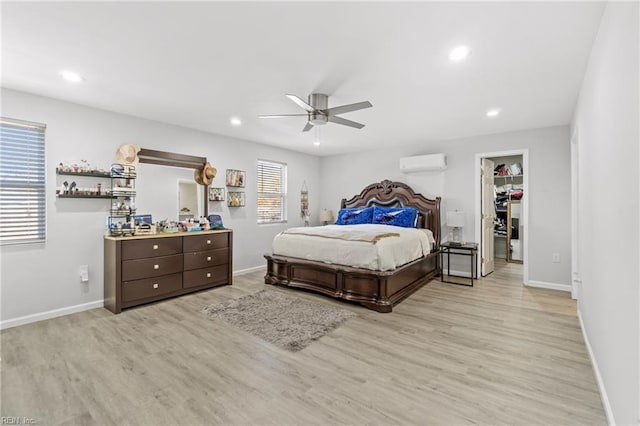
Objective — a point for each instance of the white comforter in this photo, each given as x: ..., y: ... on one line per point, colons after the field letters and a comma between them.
x: 385, y: 255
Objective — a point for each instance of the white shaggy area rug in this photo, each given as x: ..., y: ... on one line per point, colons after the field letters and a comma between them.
x: 289, y: 322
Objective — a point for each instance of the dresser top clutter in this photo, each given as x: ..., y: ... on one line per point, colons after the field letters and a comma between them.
x: 165, y: 235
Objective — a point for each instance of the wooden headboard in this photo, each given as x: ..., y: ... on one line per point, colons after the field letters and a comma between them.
x: 398, y: 194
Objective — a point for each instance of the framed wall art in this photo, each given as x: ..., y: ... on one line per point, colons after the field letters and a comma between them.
x: 236, y: 199
x: 236, y: 178
x: 216, y: 194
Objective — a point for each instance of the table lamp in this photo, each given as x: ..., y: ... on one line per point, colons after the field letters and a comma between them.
x: 455, y: 219
x: 326, y: 216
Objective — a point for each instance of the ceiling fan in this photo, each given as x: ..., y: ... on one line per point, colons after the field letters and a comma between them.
x: 318, y: 112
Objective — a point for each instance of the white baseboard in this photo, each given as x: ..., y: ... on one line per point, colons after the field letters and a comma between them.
x: 28, y: 319
x: 550, y: 286
x: 603, y: 392
x: 248, y: 270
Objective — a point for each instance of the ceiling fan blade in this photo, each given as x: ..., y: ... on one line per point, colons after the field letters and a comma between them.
x: 282, y: 115
x: 308, y: 127
x: 345, y: 122
x: 348, y: 108
x: 302, y: 104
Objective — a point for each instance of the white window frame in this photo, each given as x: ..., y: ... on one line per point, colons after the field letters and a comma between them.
x: 282, y: 194
x: 24, y: 182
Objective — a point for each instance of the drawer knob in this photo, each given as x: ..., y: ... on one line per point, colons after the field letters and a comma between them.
x: 208, y: 258
x: 208, y: 274
x: 155, y: 285
x: 155, y: 247
x: 156, y: 266
x: 208, y: 241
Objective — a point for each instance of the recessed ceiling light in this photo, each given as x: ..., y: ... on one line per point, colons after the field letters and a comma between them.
x: 71, y: 76
x: 493, y: 112
x: 317, y: 143
x: 235, y: 121
x: 459, y: 53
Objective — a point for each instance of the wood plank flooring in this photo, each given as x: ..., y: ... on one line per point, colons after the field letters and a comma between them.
x: 497, y: 353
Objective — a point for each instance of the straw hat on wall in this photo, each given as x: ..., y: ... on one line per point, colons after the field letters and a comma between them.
x: 128, y: 154
x: 205, y: 175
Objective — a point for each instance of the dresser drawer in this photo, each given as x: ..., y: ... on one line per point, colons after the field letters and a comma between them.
x: 212, y: 275
x: 151, y: 247
x: 205, y: 242
x: 151, y: 267
x: 204, y: 259
x: 150, y: 287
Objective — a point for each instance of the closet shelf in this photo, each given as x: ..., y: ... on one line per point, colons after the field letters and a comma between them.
x: 507, y: 176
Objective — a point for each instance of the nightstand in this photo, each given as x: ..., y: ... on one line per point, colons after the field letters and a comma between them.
x: 449, y: 248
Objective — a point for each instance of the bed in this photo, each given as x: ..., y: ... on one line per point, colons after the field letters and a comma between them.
x: 376, y: 289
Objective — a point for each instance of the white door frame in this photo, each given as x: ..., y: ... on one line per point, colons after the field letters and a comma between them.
x: 525, y: 203
x: 576, y: 280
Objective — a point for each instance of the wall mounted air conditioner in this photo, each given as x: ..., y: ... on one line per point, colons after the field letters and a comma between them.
x: 423, y: 163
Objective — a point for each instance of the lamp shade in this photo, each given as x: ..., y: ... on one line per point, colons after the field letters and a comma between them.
x: 326, y: 216
x: 455, y: 219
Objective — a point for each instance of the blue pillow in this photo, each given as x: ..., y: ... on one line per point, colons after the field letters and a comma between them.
x: 355, y: 216
x: 405, y: 217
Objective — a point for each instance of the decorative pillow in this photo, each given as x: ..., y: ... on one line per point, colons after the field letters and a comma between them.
x: 355, y: 216
x: 405, y: 217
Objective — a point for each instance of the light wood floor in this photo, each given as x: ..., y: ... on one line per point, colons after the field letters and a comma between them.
x: 497, y: 353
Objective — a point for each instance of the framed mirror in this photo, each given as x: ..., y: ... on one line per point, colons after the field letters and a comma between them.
x: 160, y: 173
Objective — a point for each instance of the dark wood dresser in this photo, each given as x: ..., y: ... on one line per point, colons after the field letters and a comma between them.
x: 147, y: 268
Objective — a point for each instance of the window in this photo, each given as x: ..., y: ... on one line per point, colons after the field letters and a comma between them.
x: 272, y: 191
x: 22, y: 182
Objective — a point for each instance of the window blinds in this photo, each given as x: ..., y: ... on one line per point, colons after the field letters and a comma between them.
x: 22, y: 182
x: 272, y: 191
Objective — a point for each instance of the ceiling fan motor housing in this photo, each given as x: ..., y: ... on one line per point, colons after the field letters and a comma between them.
x: 320, y: 103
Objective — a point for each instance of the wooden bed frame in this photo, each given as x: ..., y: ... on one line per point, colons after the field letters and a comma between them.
x: 374, y: 289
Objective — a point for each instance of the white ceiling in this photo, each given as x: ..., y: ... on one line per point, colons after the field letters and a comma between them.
x: 198, y: 64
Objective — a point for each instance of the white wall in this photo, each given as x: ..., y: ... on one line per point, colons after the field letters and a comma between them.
x: 549, y: 186
x: 41, y: 277
x: 606, y: 121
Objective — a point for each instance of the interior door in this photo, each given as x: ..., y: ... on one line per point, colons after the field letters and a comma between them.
x: 488, y: 217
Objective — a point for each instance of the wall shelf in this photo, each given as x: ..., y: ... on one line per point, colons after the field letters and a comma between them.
x: 87, y: 174
x: 83, y: 196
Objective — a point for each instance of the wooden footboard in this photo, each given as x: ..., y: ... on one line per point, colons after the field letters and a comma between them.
x: 375, y: 290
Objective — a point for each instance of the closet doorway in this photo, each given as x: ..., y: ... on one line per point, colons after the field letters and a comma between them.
x: 501, y: 211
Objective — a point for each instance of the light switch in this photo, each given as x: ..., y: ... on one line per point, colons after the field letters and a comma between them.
x: 84, y: 273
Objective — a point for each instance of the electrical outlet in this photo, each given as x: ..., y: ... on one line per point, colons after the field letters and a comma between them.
x: 555, y: 258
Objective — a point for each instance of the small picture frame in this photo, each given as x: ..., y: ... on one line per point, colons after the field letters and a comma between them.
x: 236, y: 178
x: 216, y: 194
x: 235, y: 199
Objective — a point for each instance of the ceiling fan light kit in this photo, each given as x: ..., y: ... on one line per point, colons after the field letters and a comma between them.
x: 318, y: 112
